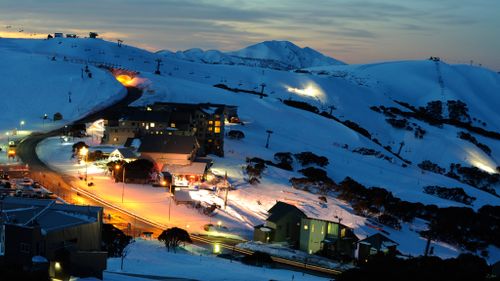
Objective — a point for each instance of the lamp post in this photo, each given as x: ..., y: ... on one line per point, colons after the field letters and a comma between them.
x: 117, y: 167
x: 269, y: 132
x: 22, y: 124
x: 45, y: 117
x: 84, y: 152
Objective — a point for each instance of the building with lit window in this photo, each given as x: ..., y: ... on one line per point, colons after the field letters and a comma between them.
x: 331, y: 239
x: 67, y: 237
x: 204, y: 121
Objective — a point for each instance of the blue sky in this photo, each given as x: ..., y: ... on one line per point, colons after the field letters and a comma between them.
x: 355, y: 31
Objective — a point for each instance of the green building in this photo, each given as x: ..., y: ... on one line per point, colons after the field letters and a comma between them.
x: 331, y: 239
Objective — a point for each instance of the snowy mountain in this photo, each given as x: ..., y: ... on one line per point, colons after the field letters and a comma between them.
x: 375, y: 123
x: 281, y: 55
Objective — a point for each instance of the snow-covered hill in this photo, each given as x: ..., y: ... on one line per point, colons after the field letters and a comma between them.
x: 282, y: 55
x: 35, y: 84
x: 350, y: 92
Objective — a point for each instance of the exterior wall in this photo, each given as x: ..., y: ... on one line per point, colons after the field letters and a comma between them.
x: 85, y: 237
x: 312, y: 233
x: 262, y: 236
x: 167, y: 158
x: 21, y: 244
x: 117, y: 136
x: 287, y: 229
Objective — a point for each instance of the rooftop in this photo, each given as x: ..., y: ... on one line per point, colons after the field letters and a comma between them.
x: 48, y: 214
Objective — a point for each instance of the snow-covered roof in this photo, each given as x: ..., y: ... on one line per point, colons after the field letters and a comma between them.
x: 125, y: 153
x: 196, y: 168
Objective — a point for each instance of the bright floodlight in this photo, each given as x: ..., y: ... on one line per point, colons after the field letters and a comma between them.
x: 311, y: 90
x: 84, y: 151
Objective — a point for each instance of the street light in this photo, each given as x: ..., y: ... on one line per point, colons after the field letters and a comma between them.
x: 45, y: 117
x: 84, y: 152
x: 22, y: 124
x: 117, y: 167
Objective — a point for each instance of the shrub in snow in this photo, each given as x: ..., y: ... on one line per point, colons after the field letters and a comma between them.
x: 301, y: 105
x: 354, y: 126
x: 432, y: 167
x: 114, y: 240
x: 398, y: 123
x: 470, y: 138
x: 456, y: 194
x: 254, y: 169
x: 57, y: 116
x: 235, y: 134
x: 390, y: 221
x: 284, y: 159
x: 307, y: 158
x: 458, y: 111
x: 173, y: 237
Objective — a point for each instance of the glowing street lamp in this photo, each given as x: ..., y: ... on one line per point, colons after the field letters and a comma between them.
x: 84, y: 152
x: 217, y: 248
x: 117, y: 168
x: 22, y: 124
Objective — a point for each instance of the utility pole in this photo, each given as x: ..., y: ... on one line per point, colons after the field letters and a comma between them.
x: 401, y: 144
x: 269, y: 132
x: 331, y: 107
x: 158, y: 64
x: 262, y: 86
x: 123, y: 182
x: 227, y: 190
x: 338, y: 234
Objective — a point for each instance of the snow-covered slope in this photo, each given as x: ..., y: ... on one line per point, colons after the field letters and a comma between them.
x: 282, y: 55
x: 349, y: 91
x: 34, y: 85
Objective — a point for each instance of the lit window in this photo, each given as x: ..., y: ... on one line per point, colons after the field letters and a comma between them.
x: 217, y: 123
x: 306, y: 227
x: 172, y: 125
x: 152, y: 125
x: 210, y: 128
x: 312, y: 228
x: 210, y: 122
x: 217, y: 130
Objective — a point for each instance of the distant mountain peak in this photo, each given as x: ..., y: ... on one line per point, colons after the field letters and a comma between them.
x: 283, y: 55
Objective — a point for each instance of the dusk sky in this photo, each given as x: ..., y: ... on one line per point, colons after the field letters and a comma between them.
x: 359, y: 31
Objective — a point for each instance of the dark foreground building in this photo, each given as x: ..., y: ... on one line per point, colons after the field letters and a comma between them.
x: 66, y: 239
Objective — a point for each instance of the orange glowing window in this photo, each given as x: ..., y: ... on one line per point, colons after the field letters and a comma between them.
x: 217, y: 130
x: 217, y: 123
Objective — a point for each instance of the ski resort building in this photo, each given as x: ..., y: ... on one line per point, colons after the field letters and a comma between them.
x: 66, y: 239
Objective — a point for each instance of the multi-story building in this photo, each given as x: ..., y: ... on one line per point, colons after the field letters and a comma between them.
x: 204, y: 121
